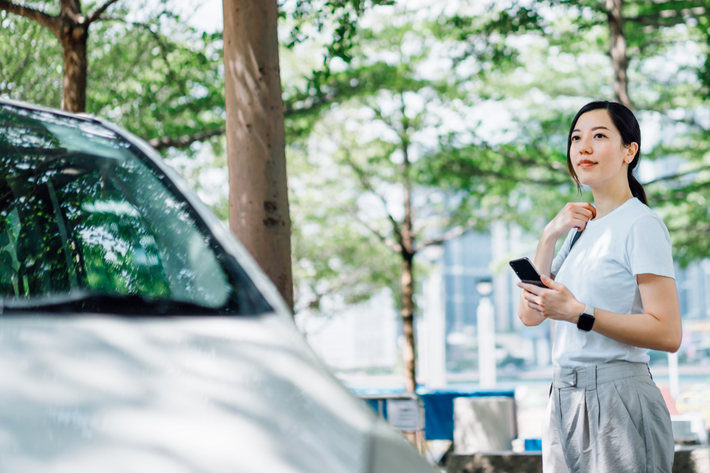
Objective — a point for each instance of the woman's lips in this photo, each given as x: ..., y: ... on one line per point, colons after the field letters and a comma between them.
x: 586, y: 164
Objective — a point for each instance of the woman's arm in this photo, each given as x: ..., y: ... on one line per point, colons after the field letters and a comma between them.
x: 574, y: 214
x: 658, y: 328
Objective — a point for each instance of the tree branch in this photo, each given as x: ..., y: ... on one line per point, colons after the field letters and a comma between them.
x: 387, y: 241
x: 667, y: 17
x: 681, y: 194
x: 476, y: 171
x: 450, y: 235
x: 656, y: 22
x: 184, y: 141
x: 163, y: 47
x: 367, y: 185
x: 51, y: 22
x: 95, y: 16
x: 455, y: 232
x: 386, y: 120
x: 676, y: 175
x: 308, y: 103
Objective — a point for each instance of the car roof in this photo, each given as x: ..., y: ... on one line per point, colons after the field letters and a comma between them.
x: 54, y: 111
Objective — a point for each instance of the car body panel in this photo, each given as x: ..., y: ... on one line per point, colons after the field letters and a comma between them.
x: 209, y: 394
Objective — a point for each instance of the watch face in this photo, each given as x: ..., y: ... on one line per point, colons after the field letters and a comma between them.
x: 585, y: 322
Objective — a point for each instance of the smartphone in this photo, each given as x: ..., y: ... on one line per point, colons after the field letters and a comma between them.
x: 527, y: 273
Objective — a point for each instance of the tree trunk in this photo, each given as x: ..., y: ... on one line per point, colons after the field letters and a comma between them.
x: 74, y: 49
x: 619, y: 59
x: 73, y: 35
x: 258, y: 197
x: 408, y: 352
x: 407, y: 277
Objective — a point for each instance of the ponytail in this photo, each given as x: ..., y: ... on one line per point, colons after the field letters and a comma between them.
x: 636, y: 187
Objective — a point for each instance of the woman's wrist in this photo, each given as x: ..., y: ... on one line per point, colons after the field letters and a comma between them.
x: 576, y: 311
x: 548, y: 237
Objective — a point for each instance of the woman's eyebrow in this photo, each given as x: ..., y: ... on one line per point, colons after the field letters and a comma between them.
x: 577, y: 130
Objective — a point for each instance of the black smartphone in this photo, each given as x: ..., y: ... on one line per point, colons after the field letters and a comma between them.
x: 527, y: 273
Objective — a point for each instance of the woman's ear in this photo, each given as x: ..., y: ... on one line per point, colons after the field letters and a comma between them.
x: 631, y: 151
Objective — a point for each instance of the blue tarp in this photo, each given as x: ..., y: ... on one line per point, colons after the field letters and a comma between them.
x: 438, y: 406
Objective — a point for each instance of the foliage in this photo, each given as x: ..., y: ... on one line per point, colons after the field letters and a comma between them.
x: 332, y: 252
x: 482, y: 92
x: 341, y: 17
x: 565, y: 64
x: 148, y: 70
x: 167, y: 78
x: 389, y: 102
x: 31, y: 62
x: 534, y: 66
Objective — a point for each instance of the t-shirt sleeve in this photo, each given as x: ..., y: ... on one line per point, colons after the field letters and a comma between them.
x: 562, y: 253
x: 648, y: 247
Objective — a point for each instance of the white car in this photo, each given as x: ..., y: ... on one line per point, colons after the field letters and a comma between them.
x: 136, y: 333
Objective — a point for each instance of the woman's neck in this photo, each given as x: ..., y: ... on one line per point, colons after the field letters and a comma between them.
x: 609, y: 198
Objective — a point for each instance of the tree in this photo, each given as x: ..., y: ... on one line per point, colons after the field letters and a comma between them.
x: 71, y: 28
x: 381, y: 172
x: 259, y: 209
x: 639, y: 35
x: 168, y: 86
x: 259, y: 212
x: 157, y: 77
x: 520, y: 175
x: 653, y: 57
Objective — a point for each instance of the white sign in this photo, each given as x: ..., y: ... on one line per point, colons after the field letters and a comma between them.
x: 405, y: 414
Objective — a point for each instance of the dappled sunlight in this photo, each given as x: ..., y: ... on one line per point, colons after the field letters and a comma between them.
x: 592, y: 256
x: 182, y: 394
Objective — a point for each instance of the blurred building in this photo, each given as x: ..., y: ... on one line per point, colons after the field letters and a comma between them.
x: 479, y: 257
x: 367, y: 337
x: 362, y: 337
x: 693, y: 285
x: 476, y: 257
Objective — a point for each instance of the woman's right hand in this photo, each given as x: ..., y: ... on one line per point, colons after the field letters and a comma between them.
x: 574, y: 214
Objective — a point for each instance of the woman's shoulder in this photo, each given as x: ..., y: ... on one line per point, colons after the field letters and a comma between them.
x: 641, y: 214
x: 643, y: 222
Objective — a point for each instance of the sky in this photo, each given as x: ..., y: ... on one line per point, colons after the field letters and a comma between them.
x: 208, y: 16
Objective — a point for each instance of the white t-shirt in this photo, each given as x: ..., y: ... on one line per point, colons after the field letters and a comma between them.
x: 601, y: 271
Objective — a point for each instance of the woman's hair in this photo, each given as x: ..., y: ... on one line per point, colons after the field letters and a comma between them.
x: 624, y: 121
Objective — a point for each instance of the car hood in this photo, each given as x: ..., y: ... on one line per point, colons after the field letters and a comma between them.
x: 189, y: 394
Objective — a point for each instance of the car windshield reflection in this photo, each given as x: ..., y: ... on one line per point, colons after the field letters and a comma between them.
x: 81, y: 212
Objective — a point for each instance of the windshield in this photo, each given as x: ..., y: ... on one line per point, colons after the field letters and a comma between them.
x: 82, y: 211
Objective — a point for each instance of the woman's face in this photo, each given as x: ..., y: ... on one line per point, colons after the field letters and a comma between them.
x: 597, y: 152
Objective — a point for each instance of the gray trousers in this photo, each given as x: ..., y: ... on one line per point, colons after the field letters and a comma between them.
x: 606, y: 418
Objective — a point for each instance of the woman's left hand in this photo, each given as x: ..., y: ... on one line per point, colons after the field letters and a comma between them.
x: 554, y: 302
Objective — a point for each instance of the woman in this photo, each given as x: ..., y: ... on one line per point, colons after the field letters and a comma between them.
x: 612, y: 293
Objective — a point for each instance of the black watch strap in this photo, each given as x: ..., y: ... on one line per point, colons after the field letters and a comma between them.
x: 586, y: 319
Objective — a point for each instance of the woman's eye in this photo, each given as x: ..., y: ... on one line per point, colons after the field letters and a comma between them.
x: 575, y: 138
x: 599, y: 135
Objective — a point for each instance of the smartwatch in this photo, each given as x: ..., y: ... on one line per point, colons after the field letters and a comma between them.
x: 586, y: 319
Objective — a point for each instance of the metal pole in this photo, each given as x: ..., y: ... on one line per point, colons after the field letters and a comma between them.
x: 436, y: 333
x: 486, y: 344
x: 673, y: 374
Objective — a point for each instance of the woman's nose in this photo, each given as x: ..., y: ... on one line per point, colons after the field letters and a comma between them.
x: 585, y: 146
